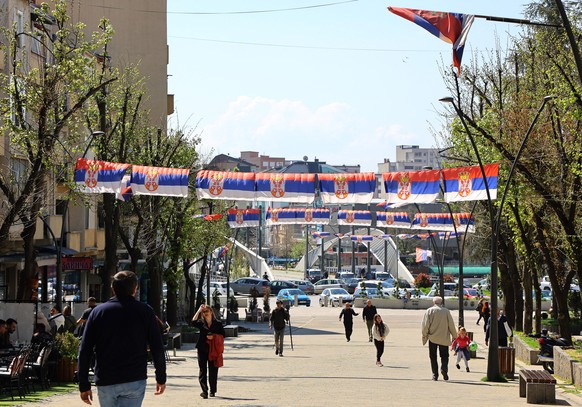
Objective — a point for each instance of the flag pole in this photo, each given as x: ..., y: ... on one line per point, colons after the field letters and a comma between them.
x: 515, y: 21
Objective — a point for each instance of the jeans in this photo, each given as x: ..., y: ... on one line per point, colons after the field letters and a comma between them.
x: 129, y: 394
x: 444, y: 353
x: 207, y: 374
x: 279, y: 335
x: 379, y: 349
x: 349, y: 329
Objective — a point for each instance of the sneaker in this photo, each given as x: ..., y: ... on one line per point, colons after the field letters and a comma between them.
x: 204, y: 395
x: 458, y: 367
x: 281, y: 354
x: 435, y: 377
x: 445, y: 375
x: 468, y: 369
x: 377, y: 363
x: 370, y: 339
x: 380, y: 364
x: 276, y: 351
x: 211, y: 394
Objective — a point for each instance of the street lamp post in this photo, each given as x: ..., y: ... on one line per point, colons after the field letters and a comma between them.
x: 492, y: 361
x: 59, y: 246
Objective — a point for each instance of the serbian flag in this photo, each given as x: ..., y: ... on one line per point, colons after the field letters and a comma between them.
x: 243, y: 218
x: 354, y: 218
x: 449, y: 27
x: 310, y: 216
x: 96, y: 177
x: 348, y: 188
x: 159, y: 181
x: 285, y: 187
x: 467, y: 184
x: 318, y: 235
x: 412, y: 187
x: 393, y: 220
x: 361, y: 238
x: 237, y: 186
x: 281, y: 216
x: 422, y: 255
x: 124, y: 193
x: 444, y: 222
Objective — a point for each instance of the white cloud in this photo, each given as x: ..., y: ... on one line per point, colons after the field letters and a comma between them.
x: 289, y: 128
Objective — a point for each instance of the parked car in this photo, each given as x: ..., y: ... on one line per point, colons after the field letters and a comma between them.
x: 326, y: 283
x: 448, y: 286
x: 380, y: 275
x: 220, y: 286
x: 482, y: 284
x: 470, y: 293
x: 345, y: 275
x: 287, y: 296
x: 244, y: 285
x: 279, y: 285
x: 351, y: 284
x: 335, y: 296
x: 304, y: 285
x: 314, y: 275
x: 387, y: 285
x: 366, y: 293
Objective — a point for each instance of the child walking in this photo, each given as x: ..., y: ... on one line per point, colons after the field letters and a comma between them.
x: 461, y: 347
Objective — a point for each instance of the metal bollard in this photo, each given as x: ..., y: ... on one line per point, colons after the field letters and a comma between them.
x: 296, y: 302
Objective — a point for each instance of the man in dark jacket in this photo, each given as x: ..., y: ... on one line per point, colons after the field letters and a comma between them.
x: 120, y: 332
x: 368, y: 314
x: 278, y: 320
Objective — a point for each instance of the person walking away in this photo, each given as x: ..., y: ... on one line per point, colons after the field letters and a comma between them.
x: 278, y: 319
x: 368, y: 314
x: 461, y: 348
x: 348, y: 315
x: 210, y: 347
x: 118, y: 333
x: 379, y: 331
x: 437, y: 329
x: 503, y: 329
x: 91, y: 303
x: 70, y: 321
x: 479, y: 309
x: 486, y: 315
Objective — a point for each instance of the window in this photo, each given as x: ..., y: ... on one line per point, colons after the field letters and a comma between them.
x: 36, y: 45
x: 60, y: 206
x: 19, y: 172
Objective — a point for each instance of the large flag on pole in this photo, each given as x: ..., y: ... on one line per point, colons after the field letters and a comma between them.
x: 159, y: 181
x: 449, y: 27
x: 96, y: 177
x: 467, y: 184
x: 347, y: 188
x: 412, y: 187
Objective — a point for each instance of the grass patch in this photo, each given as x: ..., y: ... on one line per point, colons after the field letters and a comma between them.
x: 531, y: 342
x: 39, y: 396
x: 575, y: 353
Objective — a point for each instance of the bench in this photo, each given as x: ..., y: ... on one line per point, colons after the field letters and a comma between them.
x: 174, y: 341
x: 538, y: 386
x: 230, y: 331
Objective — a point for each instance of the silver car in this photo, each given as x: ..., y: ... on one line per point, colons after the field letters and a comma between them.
x: 244, y: 285
x: 334, y: 296
x: 326, y: 283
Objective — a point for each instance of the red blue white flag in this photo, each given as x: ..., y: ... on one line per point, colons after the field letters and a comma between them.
x: 96, y: 177
x: 281, y: 216
x: 449, y: 27
x: 243, y: 218
x: 124, y: 193
x: 354, y: 218
x: 349, y: 188
x: 467, y: 183
x: 460, y: 222
x: 285, y: 187
x: 159, y: 181
x: 318, y: 235
x: 313, y: 216
x: 412, y: 187
x: 393, y: 220
x: 361, y: 238
x: 422, y: 255
x: 237, y: 186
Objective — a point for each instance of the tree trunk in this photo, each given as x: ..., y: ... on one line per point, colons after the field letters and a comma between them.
x: 190, y: 288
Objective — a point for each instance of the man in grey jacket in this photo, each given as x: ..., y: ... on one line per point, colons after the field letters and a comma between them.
x: 439, y: 330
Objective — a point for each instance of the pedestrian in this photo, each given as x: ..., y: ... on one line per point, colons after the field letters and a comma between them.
x: 91, y: 303
x: 278, y: 319
x: 461, y: 348
x: 10, y: 326
x: 380, y: 331
x: 56, y: 321
x: 348, y: 314
x: 3, y: 331
x: 438, y: 328
x: 486, y: 311
x: 118, y: 334
x: 503, y: 329
x: 479, y: 309
x: 210, y: 347
x: 368, y: 314
x: 70, y: 321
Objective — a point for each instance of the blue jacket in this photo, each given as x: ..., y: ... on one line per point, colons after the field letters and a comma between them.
x: 120, y: 331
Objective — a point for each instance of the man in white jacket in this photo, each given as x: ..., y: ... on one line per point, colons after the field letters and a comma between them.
x: 439, y: 330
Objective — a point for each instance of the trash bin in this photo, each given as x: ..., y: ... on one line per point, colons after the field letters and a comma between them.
x: 472, y: 353
x: 507, y: 361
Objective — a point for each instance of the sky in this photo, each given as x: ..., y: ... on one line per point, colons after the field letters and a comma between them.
x: 344, y: 81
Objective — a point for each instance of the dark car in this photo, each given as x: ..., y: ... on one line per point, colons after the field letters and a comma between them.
x: 351, y: 284
x: 314, y: 275
x: 279, y: 285
x: 244, y: 285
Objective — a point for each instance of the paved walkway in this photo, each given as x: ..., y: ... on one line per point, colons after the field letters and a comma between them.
x: 323, y: 369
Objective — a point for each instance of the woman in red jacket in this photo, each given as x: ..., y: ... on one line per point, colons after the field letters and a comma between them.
x: 210, y: 346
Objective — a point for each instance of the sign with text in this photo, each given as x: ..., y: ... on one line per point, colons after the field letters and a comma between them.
x: 77, y: 263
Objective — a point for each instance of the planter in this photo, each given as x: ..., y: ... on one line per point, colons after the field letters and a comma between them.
x: 524, y: 352
x: 567, y: 368
x: 66, y: 369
